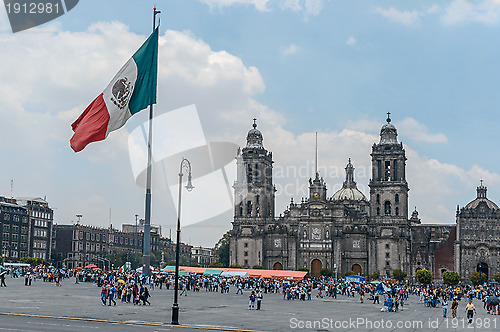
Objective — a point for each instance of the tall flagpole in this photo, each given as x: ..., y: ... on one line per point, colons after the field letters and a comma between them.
x: 147, y: 222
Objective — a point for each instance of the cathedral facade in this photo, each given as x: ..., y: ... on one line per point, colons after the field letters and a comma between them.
x: 348, y: 231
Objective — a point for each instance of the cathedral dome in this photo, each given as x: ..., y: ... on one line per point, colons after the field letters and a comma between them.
x: 254, y: 137
x: 349, y: 190
x: 481, y: 197
x: 351, y: 194
x: 388, y: 133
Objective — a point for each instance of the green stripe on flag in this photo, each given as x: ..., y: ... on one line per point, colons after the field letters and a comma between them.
x: 146, y: 59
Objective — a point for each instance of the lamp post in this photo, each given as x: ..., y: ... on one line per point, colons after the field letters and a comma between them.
x: 135, y: 242
x: 186, y: 165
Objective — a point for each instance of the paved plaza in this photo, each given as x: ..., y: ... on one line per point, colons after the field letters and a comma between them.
x: 215, y: 310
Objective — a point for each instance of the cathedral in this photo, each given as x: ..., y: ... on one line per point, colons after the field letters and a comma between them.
x: 351, y: 232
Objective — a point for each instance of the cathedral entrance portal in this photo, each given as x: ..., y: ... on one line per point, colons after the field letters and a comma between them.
x: 356, y: 268
x: 278, y: 266
x: 316, y: 268
x: 483, y: 268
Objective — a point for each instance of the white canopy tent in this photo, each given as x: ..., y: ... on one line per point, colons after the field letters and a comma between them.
x: 240, y: 274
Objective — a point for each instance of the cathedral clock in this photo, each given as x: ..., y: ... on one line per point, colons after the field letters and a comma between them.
x: 316, y: 195
x: 315, y: 213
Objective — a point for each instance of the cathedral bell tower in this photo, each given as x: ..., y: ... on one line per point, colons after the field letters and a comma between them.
x: 388, y: 186
x: 253, y: 201
x: 253, y: 188
x: 389, y: 203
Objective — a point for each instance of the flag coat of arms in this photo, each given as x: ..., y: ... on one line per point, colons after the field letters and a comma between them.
x: 131, y: 90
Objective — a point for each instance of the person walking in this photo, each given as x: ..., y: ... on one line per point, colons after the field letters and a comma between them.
x: 104, y: 294
x: 376, y: 298
x: 251, y: 303
x: 470, y: 310
x: 112, y: 291
x: 454, y: 307
x: 444, y: 305
x: 240, y: 289
x: 3, y: 284
x: 259, y: 297
x: 145, y: 296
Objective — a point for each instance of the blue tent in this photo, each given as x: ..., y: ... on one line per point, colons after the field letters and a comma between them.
x: 355, y: 278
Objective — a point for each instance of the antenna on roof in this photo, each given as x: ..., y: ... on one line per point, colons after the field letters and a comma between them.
x: 316, y: 162
x: 11, y: 188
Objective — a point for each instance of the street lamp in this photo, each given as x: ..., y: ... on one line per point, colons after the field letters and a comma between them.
x: 186, y: 165
x: 135, y: 242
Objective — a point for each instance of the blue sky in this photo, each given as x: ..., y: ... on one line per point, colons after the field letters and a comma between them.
x: 299, y: 66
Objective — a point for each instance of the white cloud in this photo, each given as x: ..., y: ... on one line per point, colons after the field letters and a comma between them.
x: 308, y: 7
x: 486, y: 11
x: 258, y: 4
x: 419, y: 132
x: 351, y: 41
x: 291, y: 49
x: 313, y: 7
x: 293, y: 5
x: 403, y: 17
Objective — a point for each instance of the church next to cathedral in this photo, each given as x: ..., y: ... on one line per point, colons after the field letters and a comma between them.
x: 350, y: 232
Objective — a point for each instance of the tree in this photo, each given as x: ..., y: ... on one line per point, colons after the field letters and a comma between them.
x: 424, y: 276
x: 326, y: 272
x: 236, y: 266
x: 375, y: 275
x: 221, y: 249
x: 478, y: 278
x: 33, y: 261
x: 194, y: 264
x: 497, y: 277
x: 349, y: 273
x: 1, y: 259
x: 399, y: 274
x: 216, y: 264
x: 258, y: 267
x: 301, y: 268
x: 451, y: 278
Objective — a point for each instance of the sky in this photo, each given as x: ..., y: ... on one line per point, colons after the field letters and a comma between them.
x: 298, y: 66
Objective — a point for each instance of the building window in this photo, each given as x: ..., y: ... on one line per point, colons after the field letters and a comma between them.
x: 80, y: 235
x: 378, y: 198
x: 396, y: 199
x: 378, y: 211
x: 6, y: 216
x: 246, y: 253
x: 93, y: 237
x: 249, y: 208
x: 387, y: 246
x: 98, y: 237
x: 246, y: 245
x: 88, y: 236
x: 397, y: 211
x: 387, y: 208
x: 246, y: 262
x: 387, y: 255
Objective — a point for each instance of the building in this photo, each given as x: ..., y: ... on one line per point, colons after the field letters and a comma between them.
x: 79, y: 245
x: 168, y: 247
x: 349, y: 232
x: 139, y: 228
x: 26, y: 228
x: 41, y: 218
x: 203, y: 256
x: 478, y: 236
x: 14, y: 225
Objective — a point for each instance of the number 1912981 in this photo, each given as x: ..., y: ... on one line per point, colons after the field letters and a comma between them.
x: 477, y: 323
x: 32, y: 8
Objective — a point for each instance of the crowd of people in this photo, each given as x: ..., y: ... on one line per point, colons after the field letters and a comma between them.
x: 133, y: 287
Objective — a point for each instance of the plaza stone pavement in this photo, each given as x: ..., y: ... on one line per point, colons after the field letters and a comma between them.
x: 206, y: 309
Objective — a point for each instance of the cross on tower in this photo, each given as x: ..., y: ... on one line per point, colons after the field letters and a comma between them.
x: 481, y: 182
x: 388, y: 117
x: 254, y: 123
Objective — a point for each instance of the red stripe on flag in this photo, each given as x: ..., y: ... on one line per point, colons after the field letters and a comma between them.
x: 91, y: 126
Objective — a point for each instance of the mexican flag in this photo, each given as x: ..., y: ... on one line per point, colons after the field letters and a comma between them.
x: 131, y: 90
x: 123, y: 268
